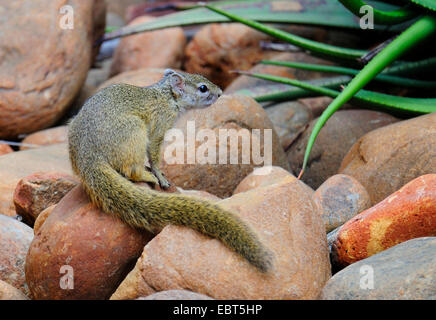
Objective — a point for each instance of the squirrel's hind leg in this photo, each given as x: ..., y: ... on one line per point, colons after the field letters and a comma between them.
x: 139, y: 174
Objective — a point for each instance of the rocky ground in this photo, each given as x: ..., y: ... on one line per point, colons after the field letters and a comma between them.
x: 361, y: 224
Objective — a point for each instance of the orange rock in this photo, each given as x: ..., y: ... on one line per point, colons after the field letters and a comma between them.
x: 17, y: 165
x: 386, y: 159
x: 235, y: 114
x: 154, y: 49
x: 286, y: 221
x: 4, y: 149
x: 141, y: 77
x: 45, y: 65
x: 99, y: 248
x: 40, y: 190
x: 406, y: 214
x: 46, y: 137
x: 42, y: 217
x: 219, y: 48
x: 201, y: 194
x: 262, y: 177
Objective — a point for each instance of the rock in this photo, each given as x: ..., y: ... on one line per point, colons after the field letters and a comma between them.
x: 220, y: 174
x: 17, y: 165
x: 42, y: 217
x: 155, y: 49
x: 40, y: 190
x: 262, y: 177
x: 4, y: 149
x: 15, y: 239
x: 285, y: 219
x: 98, y: 74
x: 340, y: 132
x: 340, y: 198
x: 176, y: 295
x: 86, y: 92
x: 141, y: 78
x: 243, y: 82
x: 38, y: 82
x: 289, y: 119
x: 99, y: 248
x: 8, y: 292
x: 120, y: 7
x: 406, y: 271
x: 46, y: 137
x: 201, y: 194
x: 221, y: 47
x: 386, y: 159
x: 318, y: 104
x: 406, y: 214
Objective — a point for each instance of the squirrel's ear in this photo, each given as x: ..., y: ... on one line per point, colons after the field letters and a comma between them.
x: 176, y: 81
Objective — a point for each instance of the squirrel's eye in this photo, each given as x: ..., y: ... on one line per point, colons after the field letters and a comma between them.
x: 203, y: 88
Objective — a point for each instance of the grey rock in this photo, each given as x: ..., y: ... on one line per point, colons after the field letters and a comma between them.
x: 406, y: 271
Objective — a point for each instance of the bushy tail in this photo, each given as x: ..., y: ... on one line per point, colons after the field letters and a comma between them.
x: 143, y: 208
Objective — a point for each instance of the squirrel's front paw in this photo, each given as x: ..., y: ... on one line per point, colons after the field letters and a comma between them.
x: 164, y: 183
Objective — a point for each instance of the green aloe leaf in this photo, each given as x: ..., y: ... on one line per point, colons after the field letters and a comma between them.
x: 395, y: 80
x: 427, y: 4
x: 320, y: 48
x: 416, y: 33
x: 365, y: 97
x: 310, y: 12
x: 380, y: 16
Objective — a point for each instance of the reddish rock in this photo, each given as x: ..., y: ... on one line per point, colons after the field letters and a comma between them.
x: 99, y: 248
x: 154, y: 49
x: 386, y: 159
x: 8, y: 292
x: 340, y: 198
x: 201, y: 194
x: 236, y: 115
x: 43, y: 65
x: 4, y: 149
x: 42, y: 217
x: 40, y: 190
x: 141, y: 78
x: 17, y: 165
x: 46, y: 137
x: 406, y: 214
x: 15, y: 239
x: 340, y: 132
x: 219, y: 48
x: 262, y: 177
x: 286, y: 221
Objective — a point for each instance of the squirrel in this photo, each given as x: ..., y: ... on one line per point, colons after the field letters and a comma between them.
x: 122, y: 125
